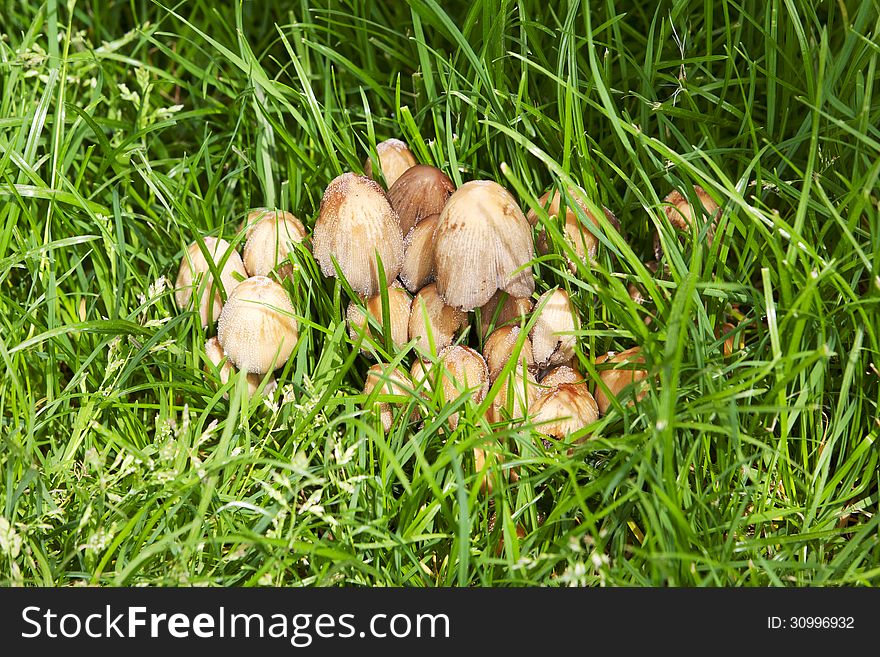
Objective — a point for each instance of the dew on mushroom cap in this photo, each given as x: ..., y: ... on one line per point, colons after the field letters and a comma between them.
x: 552, y: 335
x: 394, y: 159
x: 355, y: 222
x: 270, y: 241
x: 217, y: 357
x: 195, y: 283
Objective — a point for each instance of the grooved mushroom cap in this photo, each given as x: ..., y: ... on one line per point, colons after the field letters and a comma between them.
x: 512, y: 310
x: 681, y: 214
x: 390, y: 382
x: 482, y: 244
x: 430, y: 316
x: 625, y: 373
x: 257, y: 329
x: 552, y: 339
x: 269, y: 241
x: 398, y: 313
x: 499, y: 348
x: 514, y: 402
x: 215, y: 355
x: 195, y: 284
x: 355, y: 221
x: 420, y: 192
x: 394, y: 159
x: 462, y: 369
x: 563, y: 410
x: 582, y: 239
x: 561, y: 374
x: 418, y: 255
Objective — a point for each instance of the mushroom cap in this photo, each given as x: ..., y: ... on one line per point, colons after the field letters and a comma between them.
x: 421, y: 191
x: 512, y: 310
x: 354, y: 222
x: 463, y: 369
x: 563, y: 410
x: 552, y: 336
x: 681, y: 213
x: 499, y: 347
x: 617, y: 379
x: 195, y: 283
x: 514, y: 402
x: 390, y: 381
x: 269, y: 241
x: 482, y: 243
x: 418, y: 255
x: 394, y: 159
x: 399, y: 303
x: 218, y: 359
x: 561, y: 374
x: 257, y: 330
x: 429, y: 315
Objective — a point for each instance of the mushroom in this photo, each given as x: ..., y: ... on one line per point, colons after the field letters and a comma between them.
x: 224, y: 368
x: 561, y: 374
x: 499, y: 347
x: 257, y: 329
x: 269, y: 241
x: 515, y: 401
x: 355, y: 224
x: 421, y: 191
x: 390, y: 382
x: 432, y: 324
x: 732, y: 342
x: 463, y: 370
x: 394, y: 158
x: 399, y: 303
x: 195, y: 283
x: 418, y: 255
x: 482, y: 243
x: 621, y: 376
x: 503, y: 309
x: 552, y: 335
x: 563, y: 410
x: 583, y: 240
x: 682, y: 214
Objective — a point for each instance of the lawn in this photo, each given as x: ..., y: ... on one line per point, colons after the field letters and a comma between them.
x: 128, y: 130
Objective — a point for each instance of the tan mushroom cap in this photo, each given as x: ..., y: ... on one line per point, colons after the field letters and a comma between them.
x: 195, y: 283
x: 354, y: 222
x: 462, y: 370
x: 218, y: 359
x: 564, y: 410
x: 431, y: 320
x: 399, y: 303
x: 499, y: 349
x: 561, y: 374
x: 257, y: 330
x: 418, y: 255
x: 553, y: 341
x: 421, y: 191
x: 514, y: 402
x: 390, y: 381
x: 394, y: 159
x: 269, y: 241
x: 681, y: 213
x: 624, y: 374
x: 497, y: 313
x: 482, y: 244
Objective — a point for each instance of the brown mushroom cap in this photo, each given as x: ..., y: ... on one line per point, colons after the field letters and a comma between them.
x: 257, y: 329
x: 195, y: 283
x: 621, y: 376
x: 399, y: 303
x: 418, y: 255
x: 463, y: 370
x: 680, y: 212
x: 394, y: 159
x: 430, y: 316
x: 499, y: 349
x: 482, y: 244
x: 561, y: 374
x: 552, y: 335
x: 218, y: 359
x: 269, y: 241
x: 512, y: 310
x: 390, y: 381
x: 354, y: 222
x: 563, y: 410
x: 421, y: 191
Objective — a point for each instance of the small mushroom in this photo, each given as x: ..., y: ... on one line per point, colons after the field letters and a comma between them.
x: 418, y: 255
x: 503, y: 309
x: 432, y: 322
x: 583, y: 240
x: 732, y: 342
x: 195, y: 283
x: 218, y: 359
x: 394, y: 159
x: 564, y: 410
x: 399, y: 303
x: 257, y: 330
x: 463, y: 370
x: 561, y: 374
x: 621, y: 376
x: 269, y: 241
x: 355, y: 224
x: 482, y: 243
x: 682, y: 214
x: 514, y: 401
x: 553, y: 341
x: 499, y: 349
x: 390, y: 382
x: 421, y: 191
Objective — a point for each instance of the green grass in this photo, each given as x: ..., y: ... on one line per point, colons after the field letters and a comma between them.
x: 129, y: 128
